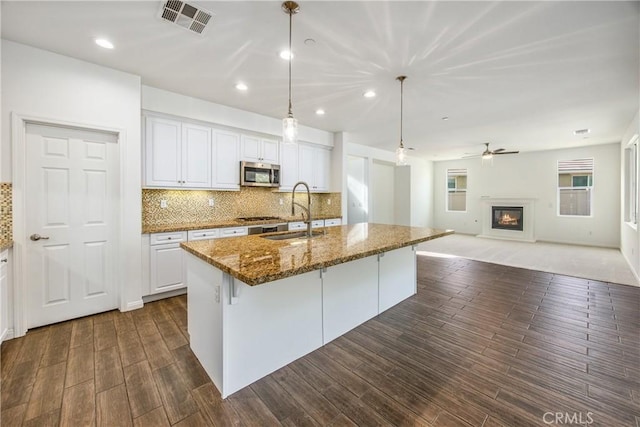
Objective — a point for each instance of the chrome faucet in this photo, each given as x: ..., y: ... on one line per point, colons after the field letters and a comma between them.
x: 305, y: 209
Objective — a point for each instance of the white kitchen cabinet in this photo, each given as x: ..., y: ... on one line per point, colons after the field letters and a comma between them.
x: 226, y: 160
x: 288, y: 166
x: 177, y: 154
x: 397, y: 279
x: 343, y: 284
x: 333, y: 222
x: 233, y: 232
x: 260, y: 150
x: 194, y: 235
x: 314, y: 166
x: 4, y: 294
x: 298, y: 225
x: 166, y: 262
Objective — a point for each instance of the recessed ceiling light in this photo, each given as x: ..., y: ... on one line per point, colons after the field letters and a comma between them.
x: 104, y: 43
x: 369, y: 94
x: 445, y: 118
x: 286, y: 55
x: 242, y: 86
x: 320, y: 112
x: 581, y: 131
x: 309, y: 42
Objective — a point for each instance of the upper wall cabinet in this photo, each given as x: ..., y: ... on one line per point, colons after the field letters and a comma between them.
x: 314, y: 166
x: 226, y: 159
x: 260, y: 150
x: 176, y: 154
x: 288, y: 166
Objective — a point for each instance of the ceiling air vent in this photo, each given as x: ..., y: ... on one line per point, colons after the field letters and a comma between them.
x: 185, y: 15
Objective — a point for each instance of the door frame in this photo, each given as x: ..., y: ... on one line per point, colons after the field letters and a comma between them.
x: 18, y: 173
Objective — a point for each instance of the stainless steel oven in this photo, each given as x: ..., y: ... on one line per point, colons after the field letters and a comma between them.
x: 259, y: 174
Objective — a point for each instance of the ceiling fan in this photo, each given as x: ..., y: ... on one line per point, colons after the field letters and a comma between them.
x: 488, y: 154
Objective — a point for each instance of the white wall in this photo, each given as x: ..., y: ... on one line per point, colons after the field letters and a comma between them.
x: 419, y: 196
x: 41, y: 84
x: 381, y: 193
x: 629, y: 236
x: 163, y: 101
x: 357, y: 194
x: 534, y: 175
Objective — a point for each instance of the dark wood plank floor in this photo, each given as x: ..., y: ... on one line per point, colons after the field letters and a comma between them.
x: 480, y: 344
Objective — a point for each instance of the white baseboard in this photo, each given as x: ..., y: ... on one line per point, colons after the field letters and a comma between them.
x: 635, y: 273
x: 8, y: 334
x: 134, y: 305
x: 163, y: 295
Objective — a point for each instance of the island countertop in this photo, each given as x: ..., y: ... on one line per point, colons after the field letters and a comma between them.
x: 255, y: 260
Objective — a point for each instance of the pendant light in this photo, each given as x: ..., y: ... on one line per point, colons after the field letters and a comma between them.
x: 289, y: 123
x: 401, y: 152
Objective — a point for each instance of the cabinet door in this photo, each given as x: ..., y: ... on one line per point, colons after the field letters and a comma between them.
x: 270, y: 152
x: 226, y: 170
x: 288, y: 166
x: 196, y: 156
x: 163, y: 153
x: 397, y: 277
x: 250, y: 149
x: 167, y: 270
x: 306, y: 164
x: 321, y: 170
x: 4, y: 295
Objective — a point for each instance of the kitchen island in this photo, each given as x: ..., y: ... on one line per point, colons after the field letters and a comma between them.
x: 255, y: 304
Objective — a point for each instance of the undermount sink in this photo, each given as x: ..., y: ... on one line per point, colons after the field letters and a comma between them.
x: 292, y: 235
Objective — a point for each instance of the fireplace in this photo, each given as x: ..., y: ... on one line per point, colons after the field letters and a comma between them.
x: 507, y: 218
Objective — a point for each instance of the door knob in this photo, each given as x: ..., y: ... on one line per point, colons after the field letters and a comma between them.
x: 36, y: 237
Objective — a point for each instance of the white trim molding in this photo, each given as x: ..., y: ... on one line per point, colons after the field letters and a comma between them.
x: 528, y: 232
x: 18, y: 140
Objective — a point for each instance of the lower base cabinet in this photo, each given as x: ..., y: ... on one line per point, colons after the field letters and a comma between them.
x: 241, y: 333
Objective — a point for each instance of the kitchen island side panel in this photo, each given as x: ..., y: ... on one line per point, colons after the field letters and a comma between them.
x: 204, y: 315
x: 269, y: 326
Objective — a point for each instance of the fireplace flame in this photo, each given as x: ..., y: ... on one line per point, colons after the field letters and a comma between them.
x: 507, y: 220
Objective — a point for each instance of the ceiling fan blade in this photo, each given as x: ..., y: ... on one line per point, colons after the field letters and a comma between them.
x: 506, y: 152
x: 471, y: 156
x: 498, y: 150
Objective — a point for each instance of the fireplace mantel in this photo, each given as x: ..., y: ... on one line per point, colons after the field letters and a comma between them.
x: 527, y: 203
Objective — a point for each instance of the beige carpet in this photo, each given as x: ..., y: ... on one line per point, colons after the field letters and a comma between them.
x: 603, y: 264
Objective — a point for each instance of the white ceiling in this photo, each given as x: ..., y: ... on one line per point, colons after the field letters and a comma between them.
x: 523, y: 75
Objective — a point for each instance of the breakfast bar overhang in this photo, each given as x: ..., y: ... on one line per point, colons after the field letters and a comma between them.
x: 255, y: 304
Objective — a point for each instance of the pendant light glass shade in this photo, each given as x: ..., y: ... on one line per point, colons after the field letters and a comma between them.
x: 289, y: 123
x: 289, y: 130
x: 401, y: 155
x: 401, y: 152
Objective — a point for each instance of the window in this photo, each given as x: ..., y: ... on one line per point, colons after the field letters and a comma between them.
x: 631, y: 181
x: 575, y: 187
x: 457, y: 190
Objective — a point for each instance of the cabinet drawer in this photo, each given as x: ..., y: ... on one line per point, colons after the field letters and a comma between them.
x: 233, y: 232
x: 297, y: 225
x: 203, y: 234
x: 332, y: 222
x: 171, y: 237
x: 317, y: 223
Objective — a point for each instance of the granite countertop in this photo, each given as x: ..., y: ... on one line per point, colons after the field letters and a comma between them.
x: 185, y: 226
x: 5, y: 244
x: 255, y: 260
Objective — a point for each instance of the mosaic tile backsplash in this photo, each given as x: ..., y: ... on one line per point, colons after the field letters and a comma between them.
x: 6, y: 212
x: 193, y: 205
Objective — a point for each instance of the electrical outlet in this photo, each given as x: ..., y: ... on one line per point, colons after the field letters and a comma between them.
x: 211, y: 202
x: 217, y: 294
x: 163, y: 204
x: 328, y: 201
x: 281, y: 202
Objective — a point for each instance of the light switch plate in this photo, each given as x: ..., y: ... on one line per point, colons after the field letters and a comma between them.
x: 211, y: 202
x: 163, y: 204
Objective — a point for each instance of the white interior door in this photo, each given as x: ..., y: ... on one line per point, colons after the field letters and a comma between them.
x: 71, y: 194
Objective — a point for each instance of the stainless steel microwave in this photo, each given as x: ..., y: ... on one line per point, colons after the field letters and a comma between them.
x: 259, y: 174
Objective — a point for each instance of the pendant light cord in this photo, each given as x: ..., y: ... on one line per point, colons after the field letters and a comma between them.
x: 290, y: 59
x: 401, y: 78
